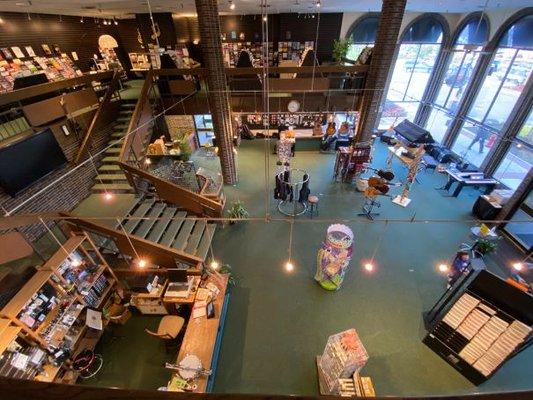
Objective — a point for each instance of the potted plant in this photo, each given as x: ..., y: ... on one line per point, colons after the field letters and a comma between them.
x: 185, y: 149
x: 237, y: 211
x: 226, y: 269
x: 340, y: 49
x: 483, y: 247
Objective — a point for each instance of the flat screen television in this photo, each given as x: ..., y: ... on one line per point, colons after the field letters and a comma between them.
x: 25, y: 162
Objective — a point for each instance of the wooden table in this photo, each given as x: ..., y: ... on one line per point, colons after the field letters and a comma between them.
x: 202, y: 335
x: 468, y: 179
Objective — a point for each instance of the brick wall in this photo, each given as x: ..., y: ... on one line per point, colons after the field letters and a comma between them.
x: 384, y: 49
x: 68, y: 192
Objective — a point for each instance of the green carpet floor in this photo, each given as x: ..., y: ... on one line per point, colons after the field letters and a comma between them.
x: 278, y: 322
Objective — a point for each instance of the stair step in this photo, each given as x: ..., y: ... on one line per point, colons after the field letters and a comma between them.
x: 127, y: 105
x: 110, y: 168
x: 110, y: 159
x: 132, y: 207
x: 205, y: 242
x: 173, y: 229
x: 146, y: 225
x: 138, y: 213
x: 111, y: 177
x: 113, y: 150
x: 183, y: 236
x: 111, y: 187
x: 159, y: 228
x: 195, y: 237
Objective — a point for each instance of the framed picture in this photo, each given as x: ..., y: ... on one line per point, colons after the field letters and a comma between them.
x: 233, y: 35
x: 74, y: 56
x: 30, y: 51
x: 241, y: 36
x: 57, y: 49
x: 46, y: 49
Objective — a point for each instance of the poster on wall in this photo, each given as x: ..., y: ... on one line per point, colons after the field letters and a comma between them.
x: 30, y: 51
x: 233, y: 35
x: 18, y: 52
x: 241, y: 36
x: 74, y: 56
x: 46, y: 49
x: 57, y: 49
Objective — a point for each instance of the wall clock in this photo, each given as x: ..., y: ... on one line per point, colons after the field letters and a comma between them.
x: 293, y: 106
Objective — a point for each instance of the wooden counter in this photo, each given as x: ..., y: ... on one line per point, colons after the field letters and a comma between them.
x: 202, y: 336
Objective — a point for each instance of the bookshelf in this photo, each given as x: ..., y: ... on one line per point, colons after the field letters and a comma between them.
x: 231, y: 51
x: 293, y: 50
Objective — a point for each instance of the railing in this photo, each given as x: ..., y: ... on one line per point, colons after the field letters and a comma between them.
x: 45, y: 88
x: 133, y: 245
x: 133, y: 152
x: 23, y: 389
x: 103, y: 116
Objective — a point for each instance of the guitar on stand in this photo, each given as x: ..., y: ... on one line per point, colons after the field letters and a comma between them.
x: 377, y: 186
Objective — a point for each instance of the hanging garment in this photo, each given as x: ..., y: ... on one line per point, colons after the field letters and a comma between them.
x: 304, y: 191
x: 288, y: 192
x: 278, y: 188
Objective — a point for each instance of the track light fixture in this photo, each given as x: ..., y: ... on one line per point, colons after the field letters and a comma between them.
x: 318, y: 4
x: 81, y: 20
x: 231, y: 5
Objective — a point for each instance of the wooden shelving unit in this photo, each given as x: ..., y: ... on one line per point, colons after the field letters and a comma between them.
x: 48, y: 312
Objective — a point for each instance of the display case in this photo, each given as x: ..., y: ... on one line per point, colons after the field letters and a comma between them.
x: 139, y: 61
x: 485, y: 323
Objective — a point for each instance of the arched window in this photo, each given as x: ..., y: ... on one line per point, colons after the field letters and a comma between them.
x: 419, y: 50
x: 504, y: 82
x: 363, y: 34
x: 465, y: 53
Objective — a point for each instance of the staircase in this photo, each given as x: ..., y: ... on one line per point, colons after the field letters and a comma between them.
x: 172, y: 229
x: 110, y: 177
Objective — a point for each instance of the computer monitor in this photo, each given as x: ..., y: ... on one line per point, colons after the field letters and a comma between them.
x: 177, y: 275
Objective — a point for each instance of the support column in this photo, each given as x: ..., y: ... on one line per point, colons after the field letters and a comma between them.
x: 383, y: 54
x: 218, y: 95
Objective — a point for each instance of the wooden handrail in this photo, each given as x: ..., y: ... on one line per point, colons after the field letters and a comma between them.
x: 37, y: 90
x: 137, y: 112
x: 98, y: 117
x: 174, y: 194
x: 321, y: 69
x: 158, y: 254
x: 26, y: 389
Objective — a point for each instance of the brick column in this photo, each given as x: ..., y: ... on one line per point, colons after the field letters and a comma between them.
x: 218, y: 95
x: 383, y: 54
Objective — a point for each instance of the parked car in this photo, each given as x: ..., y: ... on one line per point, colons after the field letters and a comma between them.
x: 420, y: 66
x: 458, y: 77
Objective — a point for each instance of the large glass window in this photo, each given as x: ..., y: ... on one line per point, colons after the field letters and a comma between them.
x: 363, y: 34
x: 465, y: 54
x: 519, y: 158
x: 416, y: 58
x: 505, y: 80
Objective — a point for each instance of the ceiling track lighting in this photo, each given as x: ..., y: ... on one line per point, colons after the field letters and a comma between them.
x: 318, y: 4
x: 81, y: 20
x: 231, y: 5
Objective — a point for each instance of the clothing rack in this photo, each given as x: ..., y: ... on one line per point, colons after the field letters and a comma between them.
x: 291, y: 182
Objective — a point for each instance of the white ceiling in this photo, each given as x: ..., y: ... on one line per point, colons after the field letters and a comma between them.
x: 125, y: 8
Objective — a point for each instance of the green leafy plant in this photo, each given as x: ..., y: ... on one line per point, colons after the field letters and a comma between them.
x: 484, y: 246
x: 340, y: 48
x: 226, y: 269
x: 185, y: 149
x: 238, y: 210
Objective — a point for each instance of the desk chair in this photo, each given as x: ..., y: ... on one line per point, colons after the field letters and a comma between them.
x: 168, y: 329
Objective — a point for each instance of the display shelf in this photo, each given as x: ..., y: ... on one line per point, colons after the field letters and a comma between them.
x: 7, y: 336
x: 49, y: 310
x: 55, y: 69
x: 484, y: 326
x: 293, y: 50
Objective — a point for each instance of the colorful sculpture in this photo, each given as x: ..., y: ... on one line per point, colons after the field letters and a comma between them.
x: 334, y: 256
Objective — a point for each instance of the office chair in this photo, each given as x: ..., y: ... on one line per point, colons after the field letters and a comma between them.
x: 168, y: 330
